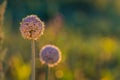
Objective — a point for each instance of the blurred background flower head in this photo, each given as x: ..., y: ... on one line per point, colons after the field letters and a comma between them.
x: 50, y: 55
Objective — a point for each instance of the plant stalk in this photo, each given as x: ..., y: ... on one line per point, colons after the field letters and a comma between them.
x: 33, y: 60
x: 47, y: 72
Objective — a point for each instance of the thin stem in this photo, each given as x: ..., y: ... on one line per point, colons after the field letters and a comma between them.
x: 1, y: 71
x: 47, y: 72
x: 33, y: 60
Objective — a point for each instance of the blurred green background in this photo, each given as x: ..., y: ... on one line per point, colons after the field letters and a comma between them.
x: 86, y: 31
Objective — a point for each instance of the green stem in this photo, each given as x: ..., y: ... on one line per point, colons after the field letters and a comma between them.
x: 33, y: 60
x: 47, y: 72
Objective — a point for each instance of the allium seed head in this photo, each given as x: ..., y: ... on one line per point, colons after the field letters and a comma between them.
x: 31, y: 27
x: 50, y: 55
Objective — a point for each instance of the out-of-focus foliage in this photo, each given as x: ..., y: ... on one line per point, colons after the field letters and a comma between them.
x: 2, y: 50
x: 19, y: 69
x: 86, y: 31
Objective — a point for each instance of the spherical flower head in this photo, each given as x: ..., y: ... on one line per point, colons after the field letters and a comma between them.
x: 31, y: 27
x: 50, y: 55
